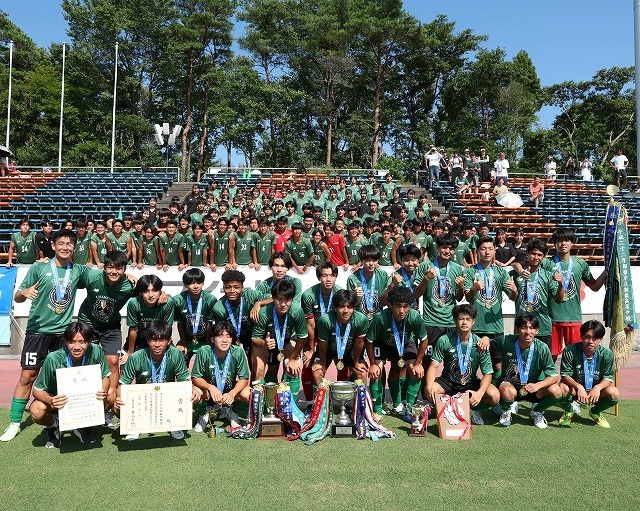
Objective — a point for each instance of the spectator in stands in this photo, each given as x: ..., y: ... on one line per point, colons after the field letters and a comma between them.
x: 456, y: 166
x: 536, y: 191
x: 473, y: 171
x: 432, y: 162
x: 12, y: 167
x: 153, y: 211
x: 570, y: 168
x: 505, y: 253
x: 500, y: 187
x: 461, y: 184
x: 619, y: 163
x: 550, y: 168
x: 585, y: 169
x: 485, y: 166
x: 501, y: 168
x: 445, y: 166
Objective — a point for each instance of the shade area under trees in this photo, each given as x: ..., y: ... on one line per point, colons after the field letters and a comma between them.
x: 334, y: 83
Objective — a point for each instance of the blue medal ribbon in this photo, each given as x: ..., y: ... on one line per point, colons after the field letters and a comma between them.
x: 589, y: 370
x: 368, y: 292
x: 324, y: 309
x: 84, y: 358
x: 523, y: 371
x: 237, y: 325
x: 61, y: 289
x: 488, y: 280
x: 442, y: 279
x: 532, y: 287
x: 566, y: 276
x: 195, y: 320
x: 341, y: 341
x: 157, y: 376
x: 396, y: 335
x: 221, y: 377
x: 407, y: 280
x: 463, y: 360
x: 280, y: 332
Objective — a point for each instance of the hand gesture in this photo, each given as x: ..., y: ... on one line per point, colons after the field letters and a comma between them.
x: 31, y: 292
x: 431, y: 274
x: 417, y: 370
x: 511, y: 285
x: 271, y: 343
x: 557, y: 276
x: 293, y: 367
x: 397, y: 278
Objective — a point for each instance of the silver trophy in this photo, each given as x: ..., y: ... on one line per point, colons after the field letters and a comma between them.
x: 271, y: 426
x: 417, y: 411
x: 343, y: 392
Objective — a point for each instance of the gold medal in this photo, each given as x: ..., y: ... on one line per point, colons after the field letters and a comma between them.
x: 195, y: 340
x: 487, y: 304
x: 440, y: 303
x: 401, y: 362
x: 340, y: 365
x: 523, y: 392
x: 58, y: 309
x: 280, y: 356
x: 369, y: 316
x: 529, y: 308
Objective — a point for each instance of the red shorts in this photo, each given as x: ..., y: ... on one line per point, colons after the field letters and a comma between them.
x: 569, y: 332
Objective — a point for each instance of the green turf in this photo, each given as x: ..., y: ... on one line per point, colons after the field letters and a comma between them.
x: 520, y: 467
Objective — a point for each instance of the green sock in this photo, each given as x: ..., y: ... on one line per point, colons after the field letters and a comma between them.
x: 565, y: 403
x: 394, y: 390
x: 504, y: 404
x: 376, y: 395
x: 17, y: 409
x: 201, y: 408
x: 413, y: 387
x: 545, y: 403
x: 241, y: 408
x: 602, y: 404
x: 261, y: 381
x: 403, y: 388
x: 496, y: 376
x: 271, y: 377
x: 294, y: 385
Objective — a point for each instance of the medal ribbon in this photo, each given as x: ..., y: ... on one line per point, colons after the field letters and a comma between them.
x: 280, y: 332
x: 84, y: 357
x: 61, y: 289
x: 566, y: 276
x: 488, y: 280
x: 237, y: 325
x: 157, y: 376
x: 341, y: 341
x: 198, y: 315
x: 221, y: 377
x: 442, y: 280
x: 532, y: 287
x: 463, y: 360
x: 523, y: 371
x: 368, y: 292
x: 324, y: 309
x: 589, y: 370
x: 408, y: 280
x: 396, y: 335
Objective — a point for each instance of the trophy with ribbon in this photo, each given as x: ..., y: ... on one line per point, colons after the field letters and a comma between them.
x: 271, y: 426
x: 453, y: 413
x: 420, y: 416
x: 343, y: 392
x: 213, y: 411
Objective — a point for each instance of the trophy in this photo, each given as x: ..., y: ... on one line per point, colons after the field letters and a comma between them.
x: 270, y: 426
x: 213, y: 411
x: 343, y: 392
x: 419, y: 424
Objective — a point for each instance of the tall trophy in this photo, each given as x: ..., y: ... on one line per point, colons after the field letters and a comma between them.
x: 420, y: 414
x: 271, y: 426
x: 343, y: 392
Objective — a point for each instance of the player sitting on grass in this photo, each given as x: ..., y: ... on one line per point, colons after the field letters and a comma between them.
x: 78, y: 351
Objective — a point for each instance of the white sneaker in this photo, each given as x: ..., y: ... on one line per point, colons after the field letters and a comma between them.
x: 515, y: 406
x: 109, y: 419
x: 178, y: 435
x: 476, y: 418
x: 201, y: 425
x: 575, y: 405
x: 131, y: 436
x: 505, y: 418
x: 538, y: 419
x: 11, y: 432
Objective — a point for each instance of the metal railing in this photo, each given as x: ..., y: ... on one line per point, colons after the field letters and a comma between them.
x: 26, y: 169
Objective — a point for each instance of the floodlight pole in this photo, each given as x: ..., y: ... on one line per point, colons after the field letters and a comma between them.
x: 9, y: 97
x: 64, y: 53
x: 113, y: 121
x: 636, y: 46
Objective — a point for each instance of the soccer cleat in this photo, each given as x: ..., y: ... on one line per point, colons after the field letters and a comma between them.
x: 11, y: 432
x: 515, y: 406
x: 85, y: 436
x: 565, y: 420
x: 178, y: 435
x: 538, y: 419
x: 201, y: 425
x: 131, y: 437
x: 505, y: 418
x: 476, y: 418
x: 109, y: 419
x: 53, y: 436
x: 599, y: 419
x: 575, y: 405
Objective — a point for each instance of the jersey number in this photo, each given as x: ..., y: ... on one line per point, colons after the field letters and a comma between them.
x: 30, y: 358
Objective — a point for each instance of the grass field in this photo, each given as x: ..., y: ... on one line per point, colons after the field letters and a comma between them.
x: 522, y: 467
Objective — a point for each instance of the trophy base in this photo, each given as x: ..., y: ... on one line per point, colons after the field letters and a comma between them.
x: 271, y: 429
x: 338, y: 431
x: 417, y: 432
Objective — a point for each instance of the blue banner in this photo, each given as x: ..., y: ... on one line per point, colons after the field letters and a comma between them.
x: 7, y: 285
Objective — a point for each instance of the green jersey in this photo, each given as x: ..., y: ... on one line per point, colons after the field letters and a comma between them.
x: 119, y: 243
x: 541, y: 363
x: 385, y: 249
x: 150, y: 251
x: 489, y: 319
x: 25, y: 249
x: 373, y: 288
x: 50, y: 313
x: 459, y: 254
x: 389, y: 188
x: 195, y: 333
x: 296, y: 323
x: 264, y: 288
x: 534, y: 296
x: 353, y: 247
x: 138, y: 313
x: 264, y: 246
x: 439, y: 297
x: 196, y: 218
x: 196, y: 248
x: 300, y: 251
x: 221, y: 247
x: 204, y: 366
x: 318, y: 250
x: 410, y: 206
x: 171, y: 248
x: 82, y: 250
x: 569, y: 311
x: 138, y: 367
x: 327, y: 331
x: 431, y: 247
x: 411, y: 331
x: 573, y: 361
x: 101, y: 307
x: 293, y: 219
x: 421, y: 240
x: 242, y: 249
x: 59, y: 359
x: 101, y: 246
x: 446, y: 351
x: 331, y: 206
x: 315, y: 304
x: 471, y: 241
x: 221, y: 312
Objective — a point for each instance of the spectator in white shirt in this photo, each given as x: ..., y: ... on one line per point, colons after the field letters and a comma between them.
x: 620, y: 162
x: 432, y: 162
x: 501, y: 167
x: 550, y: 168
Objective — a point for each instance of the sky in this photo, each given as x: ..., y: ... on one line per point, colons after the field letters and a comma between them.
x: 566, y: 39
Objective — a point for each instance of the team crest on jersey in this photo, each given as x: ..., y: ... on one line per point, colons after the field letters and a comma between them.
x: 534, y: 303
x: 103, y: 309
x: 60, y: 304
x: 456, y: 376
x: 511, y: 373
x: 435, y: 292
x: 201, y: 326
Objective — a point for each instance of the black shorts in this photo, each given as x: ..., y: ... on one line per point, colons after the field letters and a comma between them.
x: 109, y: 339
x: 272, y: 359
x: 452, y: 388
x: 531, y: 396
x: 434, y: 333
x: 621, y: 173
x: 494, y: 347
x: 37, y: 347
x: 347, y: 360
x: 391, y: 353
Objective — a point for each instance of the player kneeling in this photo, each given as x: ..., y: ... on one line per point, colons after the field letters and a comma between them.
x: 587, y: 375
x: 160, y: 362
x: 462, y: 355
x: 221, y: 371
x: 78, y: 350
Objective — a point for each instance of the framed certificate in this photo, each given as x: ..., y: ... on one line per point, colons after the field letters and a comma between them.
x: 155, y: 407
x: 80, y: 385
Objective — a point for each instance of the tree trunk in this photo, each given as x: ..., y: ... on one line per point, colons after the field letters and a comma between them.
x: 330, y: 117
x: 229, y: 146
x: 187, y: 127
x: 204, y: 131
x: 375, y: 146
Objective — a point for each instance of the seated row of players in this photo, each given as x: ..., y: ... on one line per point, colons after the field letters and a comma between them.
x: 439, y: 282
